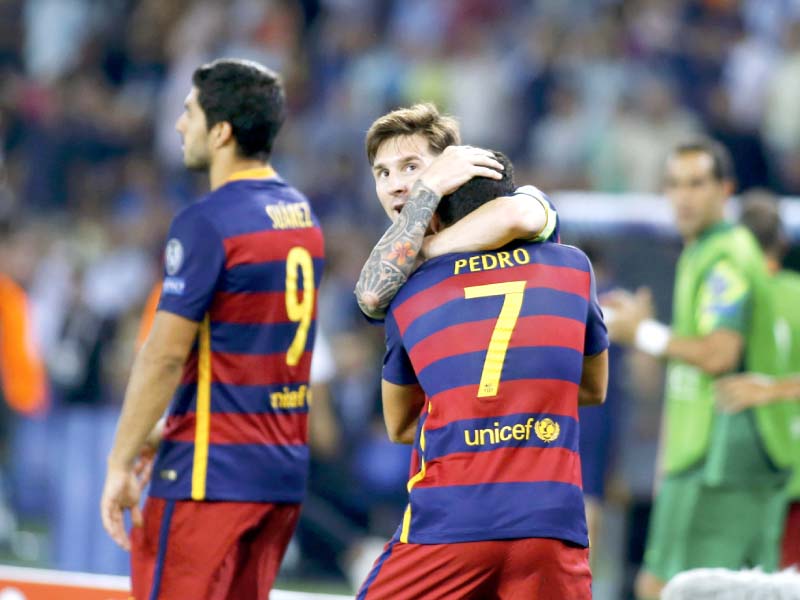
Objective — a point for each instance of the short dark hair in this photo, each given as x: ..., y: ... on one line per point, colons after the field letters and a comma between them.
x: 761, y: 215
x: 722, y: 163
x: 476, y: 192
x: 247, y: 95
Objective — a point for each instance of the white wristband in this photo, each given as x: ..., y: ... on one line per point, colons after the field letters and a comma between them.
x: 652, y: 337
x: 550, y: 215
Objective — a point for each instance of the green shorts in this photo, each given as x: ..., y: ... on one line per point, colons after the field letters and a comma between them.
x: 694, y: 525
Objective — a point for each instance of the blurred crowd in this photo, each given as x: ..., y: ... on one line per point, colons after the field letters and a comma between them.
x: 582, y: 94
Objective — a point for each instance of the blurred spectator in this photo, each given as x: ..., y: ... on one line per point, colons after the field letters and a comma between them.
x: 746, y: 148
x: 630, y: 155
x: 781, y: 118
x: 560, y: 144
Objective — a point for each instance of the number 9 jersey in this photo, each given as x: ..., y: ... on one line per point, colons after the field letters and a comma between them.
x: 496, y: 340
x: 245, y: 262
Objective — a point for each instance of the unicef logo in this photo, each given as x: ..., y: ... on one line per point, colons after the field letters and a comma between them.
x: 547, y: 430
x: 173, y: 256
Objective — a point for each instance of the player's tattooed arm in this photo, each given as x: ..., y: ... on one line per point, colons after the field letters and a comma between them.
x: 395, y: 255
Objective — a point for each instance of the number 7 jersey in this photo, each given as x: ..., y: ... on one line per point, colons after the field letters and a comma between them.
x: 245, y: 262
x: 496, y: 340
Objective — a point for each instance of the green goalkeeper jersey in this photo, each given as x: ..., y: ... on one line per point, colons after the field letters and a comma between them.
x: 785, y: 287
x: 722, y: 283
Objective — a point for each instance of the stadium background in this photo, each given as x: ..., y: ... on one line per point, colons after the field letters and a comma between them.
x: 584, y: 95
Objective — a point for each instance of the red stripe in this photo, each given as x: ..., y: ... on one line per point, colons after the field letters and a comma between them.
x: 413, y: 464
x: 254, y: 369
x: 503, y: 465
x: 538, y: 330
x: 564, y: 279
x: 551, y: 396
x: 190, y: 369
x: 252, y: 307
x: 271, y: 245
x: 243, y: 428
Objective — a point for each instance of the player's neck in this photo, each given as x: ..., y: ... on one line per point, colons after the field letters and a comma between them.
x: 225, y: 165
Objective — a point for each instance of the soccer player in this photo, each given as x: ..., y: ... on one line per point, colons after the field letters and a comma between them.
x: 761, y: 216
x: 415, y: 160
x: 230, y: 344
x: 721, y: 501
x: 488, y: 356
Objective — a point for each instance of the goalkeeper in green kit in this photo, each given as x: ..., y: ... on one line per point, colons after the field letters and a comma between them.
x: 721, y: 502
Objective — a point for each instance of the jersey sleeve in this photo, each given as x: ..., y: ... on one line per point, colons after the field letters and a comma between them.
x: 551, y: 231
x: 724, y: 299
x: 372, y: 320
x: 397, y: 367
x: 193, y: 261
x: 596, y: 339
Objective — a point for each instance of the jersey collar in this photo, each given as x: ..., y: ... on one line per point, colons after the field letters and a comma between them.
x: 722, y: 225
x: 257, y: 173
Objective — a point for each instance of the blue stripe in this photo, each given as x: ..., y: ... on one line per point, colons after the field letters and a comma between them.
x: 451, y: 438
x: 173, y: 458
x: 373, y: 574
x: 244, y: 202
x: 163, y: 536
x: 184, y: 400
x: 257, y: 473
x: 497, y: 511
x: 538, y: 301
x: 433, y: 271
x: 227, y: 398
x: 257, y: 338
x: 263, y: 277
x: 539, y: 362
x: 236, y: 472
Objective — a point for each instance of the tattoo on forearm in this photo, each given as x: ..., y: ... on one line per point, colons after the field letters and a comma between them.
x: 394, y: 256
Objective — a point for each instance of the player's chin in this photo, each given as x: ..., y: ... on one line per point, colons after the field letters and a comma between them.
x: 194, y: 163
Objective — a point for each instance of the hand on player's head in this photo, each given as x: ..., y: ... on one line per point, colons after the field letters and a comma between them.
x: 457, y: 165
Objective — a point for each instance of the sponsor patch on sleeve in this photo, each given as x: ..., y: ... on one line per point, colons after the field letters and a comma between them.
x: 174, y: 286
x: 173, y: 256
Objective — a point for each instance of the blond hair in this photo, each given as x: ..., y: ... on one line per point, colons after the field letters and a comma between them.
x: 440, y: 130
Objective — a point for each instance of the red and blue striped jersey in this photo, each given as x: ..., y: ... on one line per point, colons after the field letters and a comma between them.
x: 496, y: 340
x: 245, y: 262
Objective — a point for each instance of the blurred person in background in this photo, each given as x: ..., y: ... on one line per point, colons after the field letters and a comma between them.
x: 415, y: 160
x: 338, y: 517
x: 481, y: 519
x: 231, y: 345
x: 761, y: 215
x: 23, y: 380
x: 629, y: 156
x: 600, y: 425
x: 780, y: 127
x: 721, y: 501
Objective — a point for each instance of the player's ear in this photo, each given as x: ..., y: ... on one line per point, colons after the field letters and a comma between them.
x: 222, y: 133
x: 729, y: 186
